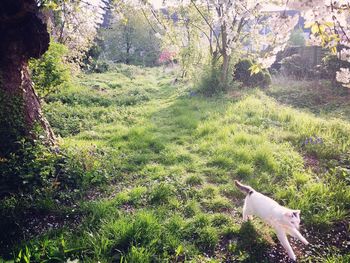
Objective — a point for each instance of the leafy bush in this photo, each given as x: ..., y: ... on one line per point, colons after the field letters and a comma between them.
x: 243, y: 74
x: 297, y: 38
x: 24, y: 169
x: 209, y: 81
x: 12, y: 123
x: 49, y: 72
x: 298, y: 67
x: 99, y: 66
x: 36, y: 168
x: 331, y: 64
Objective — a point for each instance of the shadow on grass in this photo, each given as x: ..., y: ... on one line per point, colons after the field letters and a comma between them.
x: 315, y: 96
x: 252, y: 243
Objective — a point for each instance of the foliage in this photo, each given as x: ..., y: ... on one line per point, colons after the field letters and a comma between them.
x: 209, y: 81
x: 243, y: 74
x: 49, y: 72
x: 35, y: 169
x: 191, y: 26
x: 12, y: 127
x: 75, y: 24
x: 331, y: 65
x: 297, y: 38
x: 130, y: 39
x: 91, y: 62
x: 329, y: 28
x: 98, y: 66
x: 297, y: 67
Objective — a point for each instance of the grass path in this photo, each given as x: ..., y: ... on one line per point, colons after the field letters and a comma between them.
x: 158, y: 162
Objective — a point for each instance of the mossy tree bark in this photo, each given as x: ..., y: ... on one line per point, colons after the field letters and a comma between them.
x: 23, y: 36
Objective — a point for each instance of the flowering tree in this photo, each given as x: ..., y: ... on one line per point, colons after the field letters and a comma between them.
x: 244, y: 25
x: 75, y: 24
x: 166, y: 56
x: 178, y: 29
x: 330, y: 28
x: 231, y: 27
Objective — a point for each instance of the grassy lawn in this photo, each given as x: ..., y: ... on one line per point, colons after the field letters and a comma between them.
x: 157, y: 163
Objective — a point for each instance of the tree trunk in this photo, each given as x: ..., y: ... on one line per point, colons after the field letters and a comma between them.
x: 224, y: 70
x: 23, y: 36
x: 225, y: 57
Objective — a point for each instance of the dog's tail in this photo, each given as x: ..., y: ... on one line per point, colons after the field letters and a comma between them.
x: 244, y: 188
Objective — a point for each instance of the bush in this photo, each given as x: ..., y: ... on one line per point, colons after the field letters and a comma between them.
x: 50, y: 73
x: 243, y: 74
x: 331, y: 64
x: 209, y: 82
x: 34, y: 168
x: 297, y: 38
x: 99, y: 66
x: 298, y: 67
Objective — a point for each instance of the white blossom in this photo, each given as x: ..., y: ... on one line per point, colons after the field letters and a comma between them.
x: 80, y: 21
x: 345, y: 55
x: 343, y: 76
x: 158, y: 35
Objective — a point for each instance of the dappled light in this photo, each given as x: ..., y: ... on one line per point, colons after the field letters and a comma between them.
x: 144, y: 131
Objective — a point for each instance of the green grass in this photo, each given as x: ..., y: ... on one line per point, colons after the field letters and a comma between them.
x: 165, y: 162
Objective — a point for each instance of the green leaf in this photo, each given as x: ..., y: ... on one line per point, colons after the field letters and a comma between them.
x: 19, y: 256
x: 179, y: 250
x: 314, y: 28
x: 254, y: 69
x: 321, y: 28
x: 334, y: 50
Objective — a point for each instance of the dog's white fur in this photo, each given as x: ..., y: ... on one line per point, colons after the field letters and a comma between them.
x: 285, y: 221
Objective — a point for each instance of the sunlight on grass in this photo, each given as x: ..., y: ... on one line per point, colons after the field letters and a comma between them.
x: 165, y: 162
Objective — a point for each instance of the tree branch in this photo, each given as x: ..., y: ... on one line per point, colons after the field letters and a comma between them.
x: 207, y: 22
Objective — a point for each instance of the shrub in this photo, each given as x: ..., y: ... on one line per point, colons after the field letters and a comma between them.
x: 99, y: 67
x: 32, y: 166
x: 50, y: 73
x: 297, y: 38
x: 209, y: 81
x: 298, y: 67
x: 243, y: 74
x: 330, y: 65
